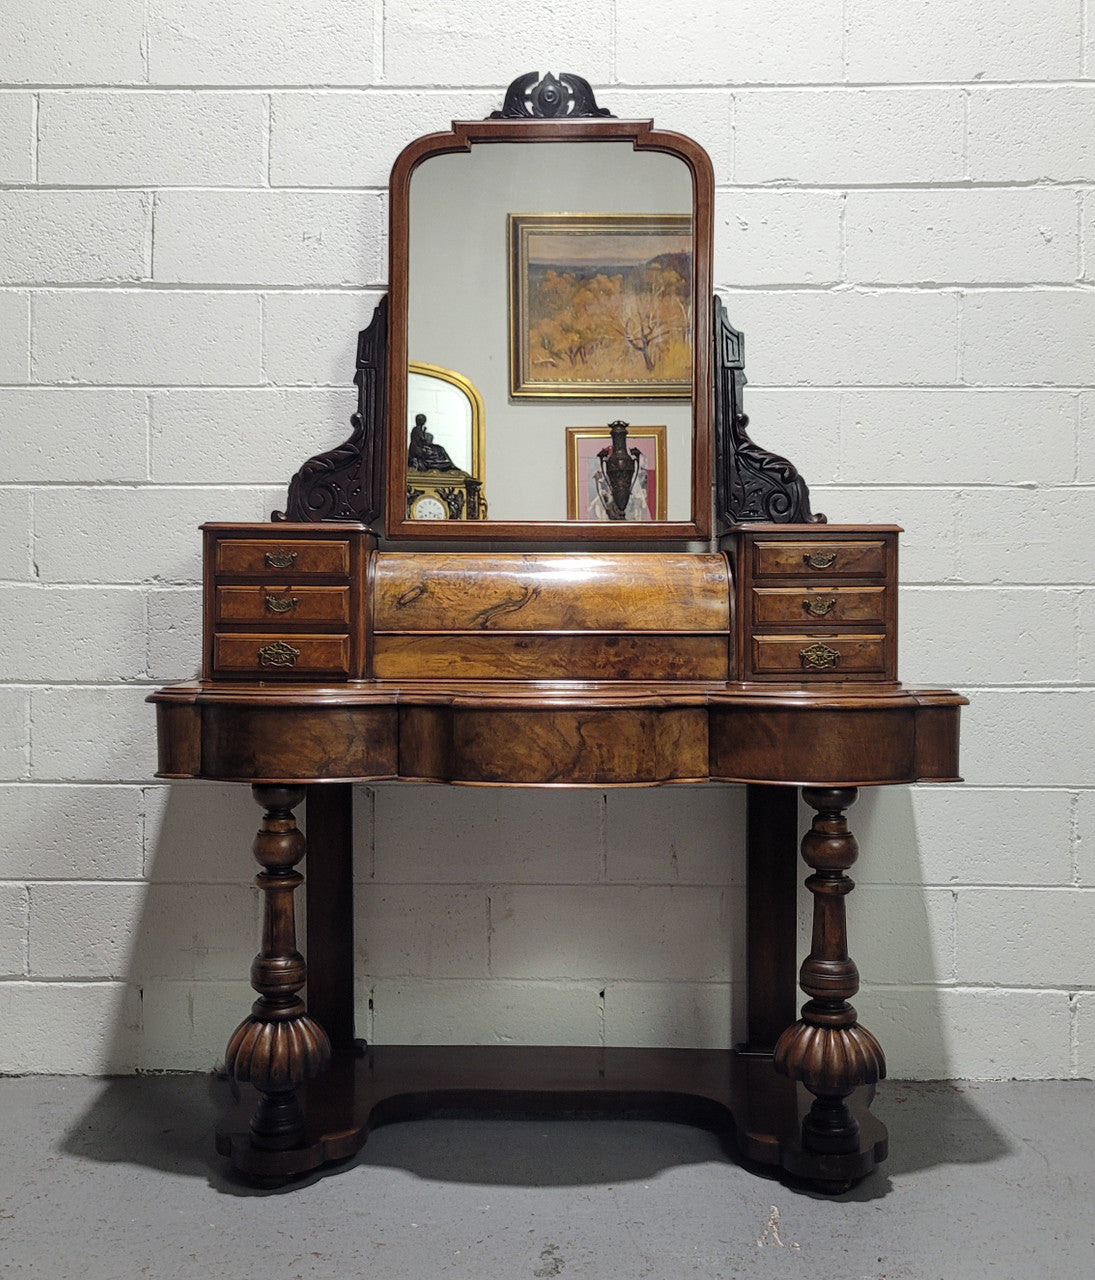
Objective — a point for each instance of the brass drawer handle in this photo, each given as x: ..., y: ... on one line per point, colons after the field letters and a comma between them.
x: 819, y: 606
x: 820, y: 559
x: 280, y: 559
x: 278, y: 654
x: 819, y: 657
x: 280, y: 604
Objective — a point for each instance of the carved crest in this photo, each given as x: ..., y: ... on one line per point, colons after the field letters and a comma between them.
x: 531, y: 98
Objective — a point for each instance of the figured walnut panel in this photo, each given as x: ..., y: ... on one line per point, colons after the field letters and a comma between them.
x: 832, y: 655
x: 271, y: 655
x: 252, y: 743
x: 284, y: 556
x: 816, y: 745
x: 551, y: 592
x: 814, y: 557
x: 284, y: 604
x: 818, y: 607
x: 576, y: 746
x: 528, y: 656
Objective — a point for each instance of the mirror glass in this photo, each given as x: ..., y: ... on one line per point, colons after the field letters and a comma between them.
x: 556, y: 280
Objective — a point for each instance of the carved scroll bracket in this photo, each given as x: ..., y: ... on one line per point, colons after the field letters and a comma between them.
x: 750, y: 483
x: 346, y: 483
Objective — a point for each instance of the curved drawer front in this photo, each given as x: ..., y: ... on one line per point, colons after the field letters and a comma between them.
x: 637, y: 591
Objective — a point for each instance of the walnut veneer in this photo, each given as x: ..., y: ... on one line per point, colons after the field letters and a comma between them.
x: 335, y: 653
x: 600, y: 669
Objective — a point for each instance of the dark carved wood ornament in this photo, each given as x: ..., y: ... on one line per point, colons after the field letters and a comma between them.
x: 752, y: 643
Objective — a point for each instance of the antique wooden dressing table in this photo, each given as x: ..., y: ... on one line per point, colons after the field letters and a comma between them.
x: 383, y: 628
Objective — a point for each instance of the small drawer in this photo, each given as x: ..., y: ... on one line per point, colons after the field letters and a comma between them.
x: 819, y: 606
x: 805, y: 559
x: 813, y: 656
x: 295, y: 556
x: 281, y: 655
x: 283, y: 604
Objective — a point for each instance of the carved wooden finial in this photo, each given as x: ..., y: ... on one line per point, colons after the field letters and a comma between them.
x: 531, y: 98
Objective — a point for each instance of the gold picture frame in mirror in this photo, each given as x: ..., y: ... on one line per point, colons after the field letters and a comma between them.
x: 452, y: 195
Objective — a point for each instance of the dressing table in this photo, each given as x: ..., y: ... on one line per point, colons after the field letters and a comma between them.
x: 548, y: 266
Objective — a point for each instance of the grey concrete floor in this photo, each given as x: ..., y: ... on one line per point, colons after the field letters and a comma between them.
x: 118, y: 1178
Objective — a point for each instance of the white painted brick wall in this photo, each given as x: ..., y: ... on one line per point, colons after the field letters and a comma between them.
x: 192, y: 231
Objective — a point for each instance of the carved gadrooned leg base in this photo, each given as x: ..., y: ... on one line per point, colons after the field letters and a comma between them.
x: 276, y: 1057
x: 827, y: 1049
x: 279, y: 1046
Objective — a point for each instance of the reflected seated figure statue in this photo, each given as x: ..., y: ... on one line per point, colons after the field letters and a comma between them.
x: 423, y: 454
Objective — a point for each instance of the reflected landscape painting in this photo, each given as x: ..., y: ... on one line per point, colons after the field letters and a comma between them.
x: 601, y: 305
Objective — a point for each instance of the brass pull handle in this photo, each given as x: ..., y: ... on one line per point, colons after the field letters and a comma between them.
x: 819, y: 657
x: 819, y: 606
x: 820, y: 559
x: 280, y: 559
x: 278, y: 654
x: 280, y: 604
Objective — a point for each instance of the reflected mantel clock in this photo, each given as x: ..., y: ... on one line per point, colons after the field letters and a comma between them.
x: 364, y: 634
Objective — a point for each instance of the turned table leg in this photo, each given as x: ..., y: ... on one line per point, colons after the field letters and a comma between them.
x: 279, y: 1046
x: 827, y: 1049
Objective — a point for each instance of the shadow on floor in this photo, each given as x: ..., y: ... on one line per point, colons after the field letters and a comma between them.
x: 167, y: 1123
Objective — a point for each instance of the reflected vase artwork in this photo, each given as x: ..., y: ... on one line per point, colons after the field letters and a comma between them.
x: 589, y: 486
x: 600, y: 305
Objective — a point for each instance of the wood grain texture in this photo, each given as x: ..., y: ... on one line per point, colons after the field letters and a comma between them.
x: 521, y: 733
x: 531, y: 656
x: 283, y: 603
x: 814, y: 606
x: 850, y: 740
x: 550, y: 592
x: 573, y: 746
x: 266, y: 556
x: 846, y: 559
x: 298, y: 744
x: 270, y: 655
x: 782, y: 655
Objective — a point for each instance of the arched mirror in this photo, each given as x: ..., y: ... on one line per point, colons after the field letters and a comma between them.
x: 561, y: 267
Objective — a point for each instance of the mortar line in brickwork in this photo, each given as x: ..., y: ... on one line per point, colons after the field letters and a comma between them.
x: 1081, y: 185
x: 445, y: 88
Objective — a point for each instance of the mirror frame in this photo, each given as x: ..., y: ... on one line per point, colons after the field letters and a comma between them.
x: 462, y: 137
